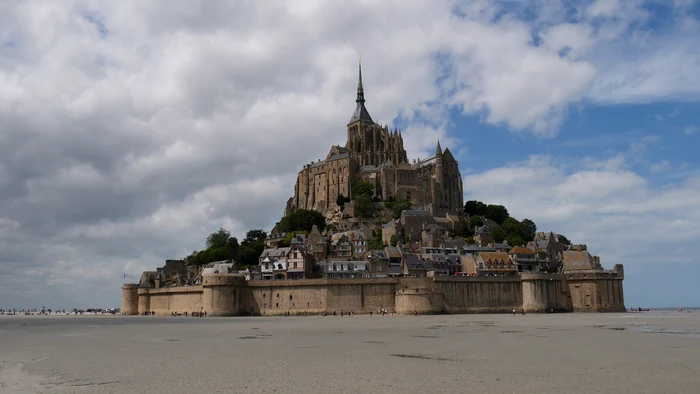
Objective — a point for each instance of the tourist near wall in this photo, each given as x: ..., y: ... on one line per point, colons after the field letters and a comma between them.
x: 231, y: 295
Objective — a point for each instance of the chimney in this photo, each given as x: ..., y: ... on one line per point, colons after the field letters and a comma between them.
x: 505, y: 242
x: 157, y: 281
x: 490, y: 245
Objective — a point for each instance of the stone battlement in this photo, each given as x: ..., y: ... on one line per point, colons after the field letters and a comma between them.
x: 231, y: 295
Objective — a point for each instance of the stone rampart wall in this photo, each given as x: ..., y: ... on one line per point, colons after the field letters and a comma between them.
x: 226, y: 295
x: 165, y: 301
x: 500, y: 294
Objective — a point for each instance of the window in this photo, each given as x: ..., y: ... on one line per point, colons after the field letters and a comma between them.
x: 295, y: 255
x: 290, y: 297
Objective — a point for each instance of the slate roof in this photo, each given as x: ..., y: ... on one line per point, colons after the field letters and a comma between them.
x: 415, y: 212
x: 394, y: 270
x: 502, y: 246
x: 219, y: 268
x: 317, y: 164
x: 392, y: 252
x: 377, y: 254
x: 413, y: 262
x: 360, y: 113
x: 494, y: 256
x: 578, y: 260
x: 339, y: 156
x: 476, y: 249
x: 521, y: 250
x: 275, y: 252
x: 369, y: 168
x: 298, y: 239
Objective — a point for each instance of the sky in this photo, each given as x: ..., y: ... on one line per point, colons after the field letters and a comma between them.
x: 131, y: 129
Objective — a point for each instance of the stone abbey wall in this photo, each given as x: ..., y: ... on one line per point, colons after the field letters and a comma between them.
x: 231, y: 295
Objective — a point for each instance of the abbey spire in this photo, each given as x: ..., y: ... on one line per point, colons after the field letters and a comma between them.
x: 360, y: 111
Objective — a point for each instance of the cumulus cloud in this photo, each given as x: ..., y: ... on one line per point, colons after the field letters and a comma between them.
x: 129, y: 130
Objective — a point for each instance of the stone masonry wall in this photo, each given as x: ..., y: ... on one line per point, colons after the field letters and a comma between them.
x: 226, y: 295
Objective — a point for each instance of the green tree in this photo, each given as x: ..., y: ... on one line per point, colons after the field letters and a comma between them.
x: 475, y: 222
x: 220, y: 245
x: 529, y: 230
x: 475, y: 208
x: 564, y: 240
x: 218, y: 239
x: 302, y: 220
x: 251, y: 247
x: 397, y: 206
x: 252, y: 236
x: 497, y: 213
x: 376, y: 241
x: 394, y: 241
x: 510, y: 230
x: 363, y: 207
x: 341, y: 200
x: 362, y: 189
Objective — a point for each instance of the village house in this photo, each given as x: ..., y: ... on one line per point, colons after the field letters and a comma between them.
x: 346, y: 269
x: 413, y: 222
x: 549, y: 249
x: 525, y: 259
x: 340, y: 247
x: 299, y: 263
x: 317, y: 244
x: 414, y: 267
x: 273, y: 253
x: 495, y: 264
x: 433, y: 235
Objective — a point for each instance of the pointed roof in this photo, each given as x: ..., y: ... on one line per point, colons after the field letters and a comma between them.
x: 438, y: 150
x: 360, y: 111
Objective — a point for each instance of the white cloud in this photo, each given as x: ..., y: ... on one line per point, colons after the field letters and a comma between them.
x: 661, y: 166
x: 690, y: 129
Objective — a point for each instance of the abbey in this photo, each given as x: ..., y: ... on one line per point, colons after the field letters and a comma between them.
x: 374, y: 153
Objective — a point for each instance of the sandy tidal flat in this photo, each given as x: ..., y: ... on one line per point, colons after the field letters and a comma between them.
x: 650, y: 352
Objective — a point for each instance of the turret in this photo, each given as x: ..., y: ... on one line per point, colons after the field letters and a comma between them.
x: 438, y: 163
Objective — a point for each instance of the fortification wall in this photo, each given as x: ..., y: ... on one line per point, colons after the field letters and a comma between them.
x: 499, y: 294
x: 230, y: 294
x: 165, y: 301
x: 597, y: 291
x: 545, y: 293
x: 130, y: 299
x: 223, y: 294
x: 315, y: 296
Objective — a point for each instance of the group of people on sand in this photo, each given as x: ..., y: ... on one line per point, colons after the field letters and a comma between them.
x: 192, y: 314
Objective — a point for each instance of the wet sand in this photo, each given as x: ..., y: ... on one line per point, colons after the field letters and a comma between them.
x: 650, y: 352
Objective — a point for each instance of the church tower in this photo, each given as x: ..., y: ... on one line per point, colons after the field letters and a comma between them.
x: 438, y: 164
x: 369, y: 143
